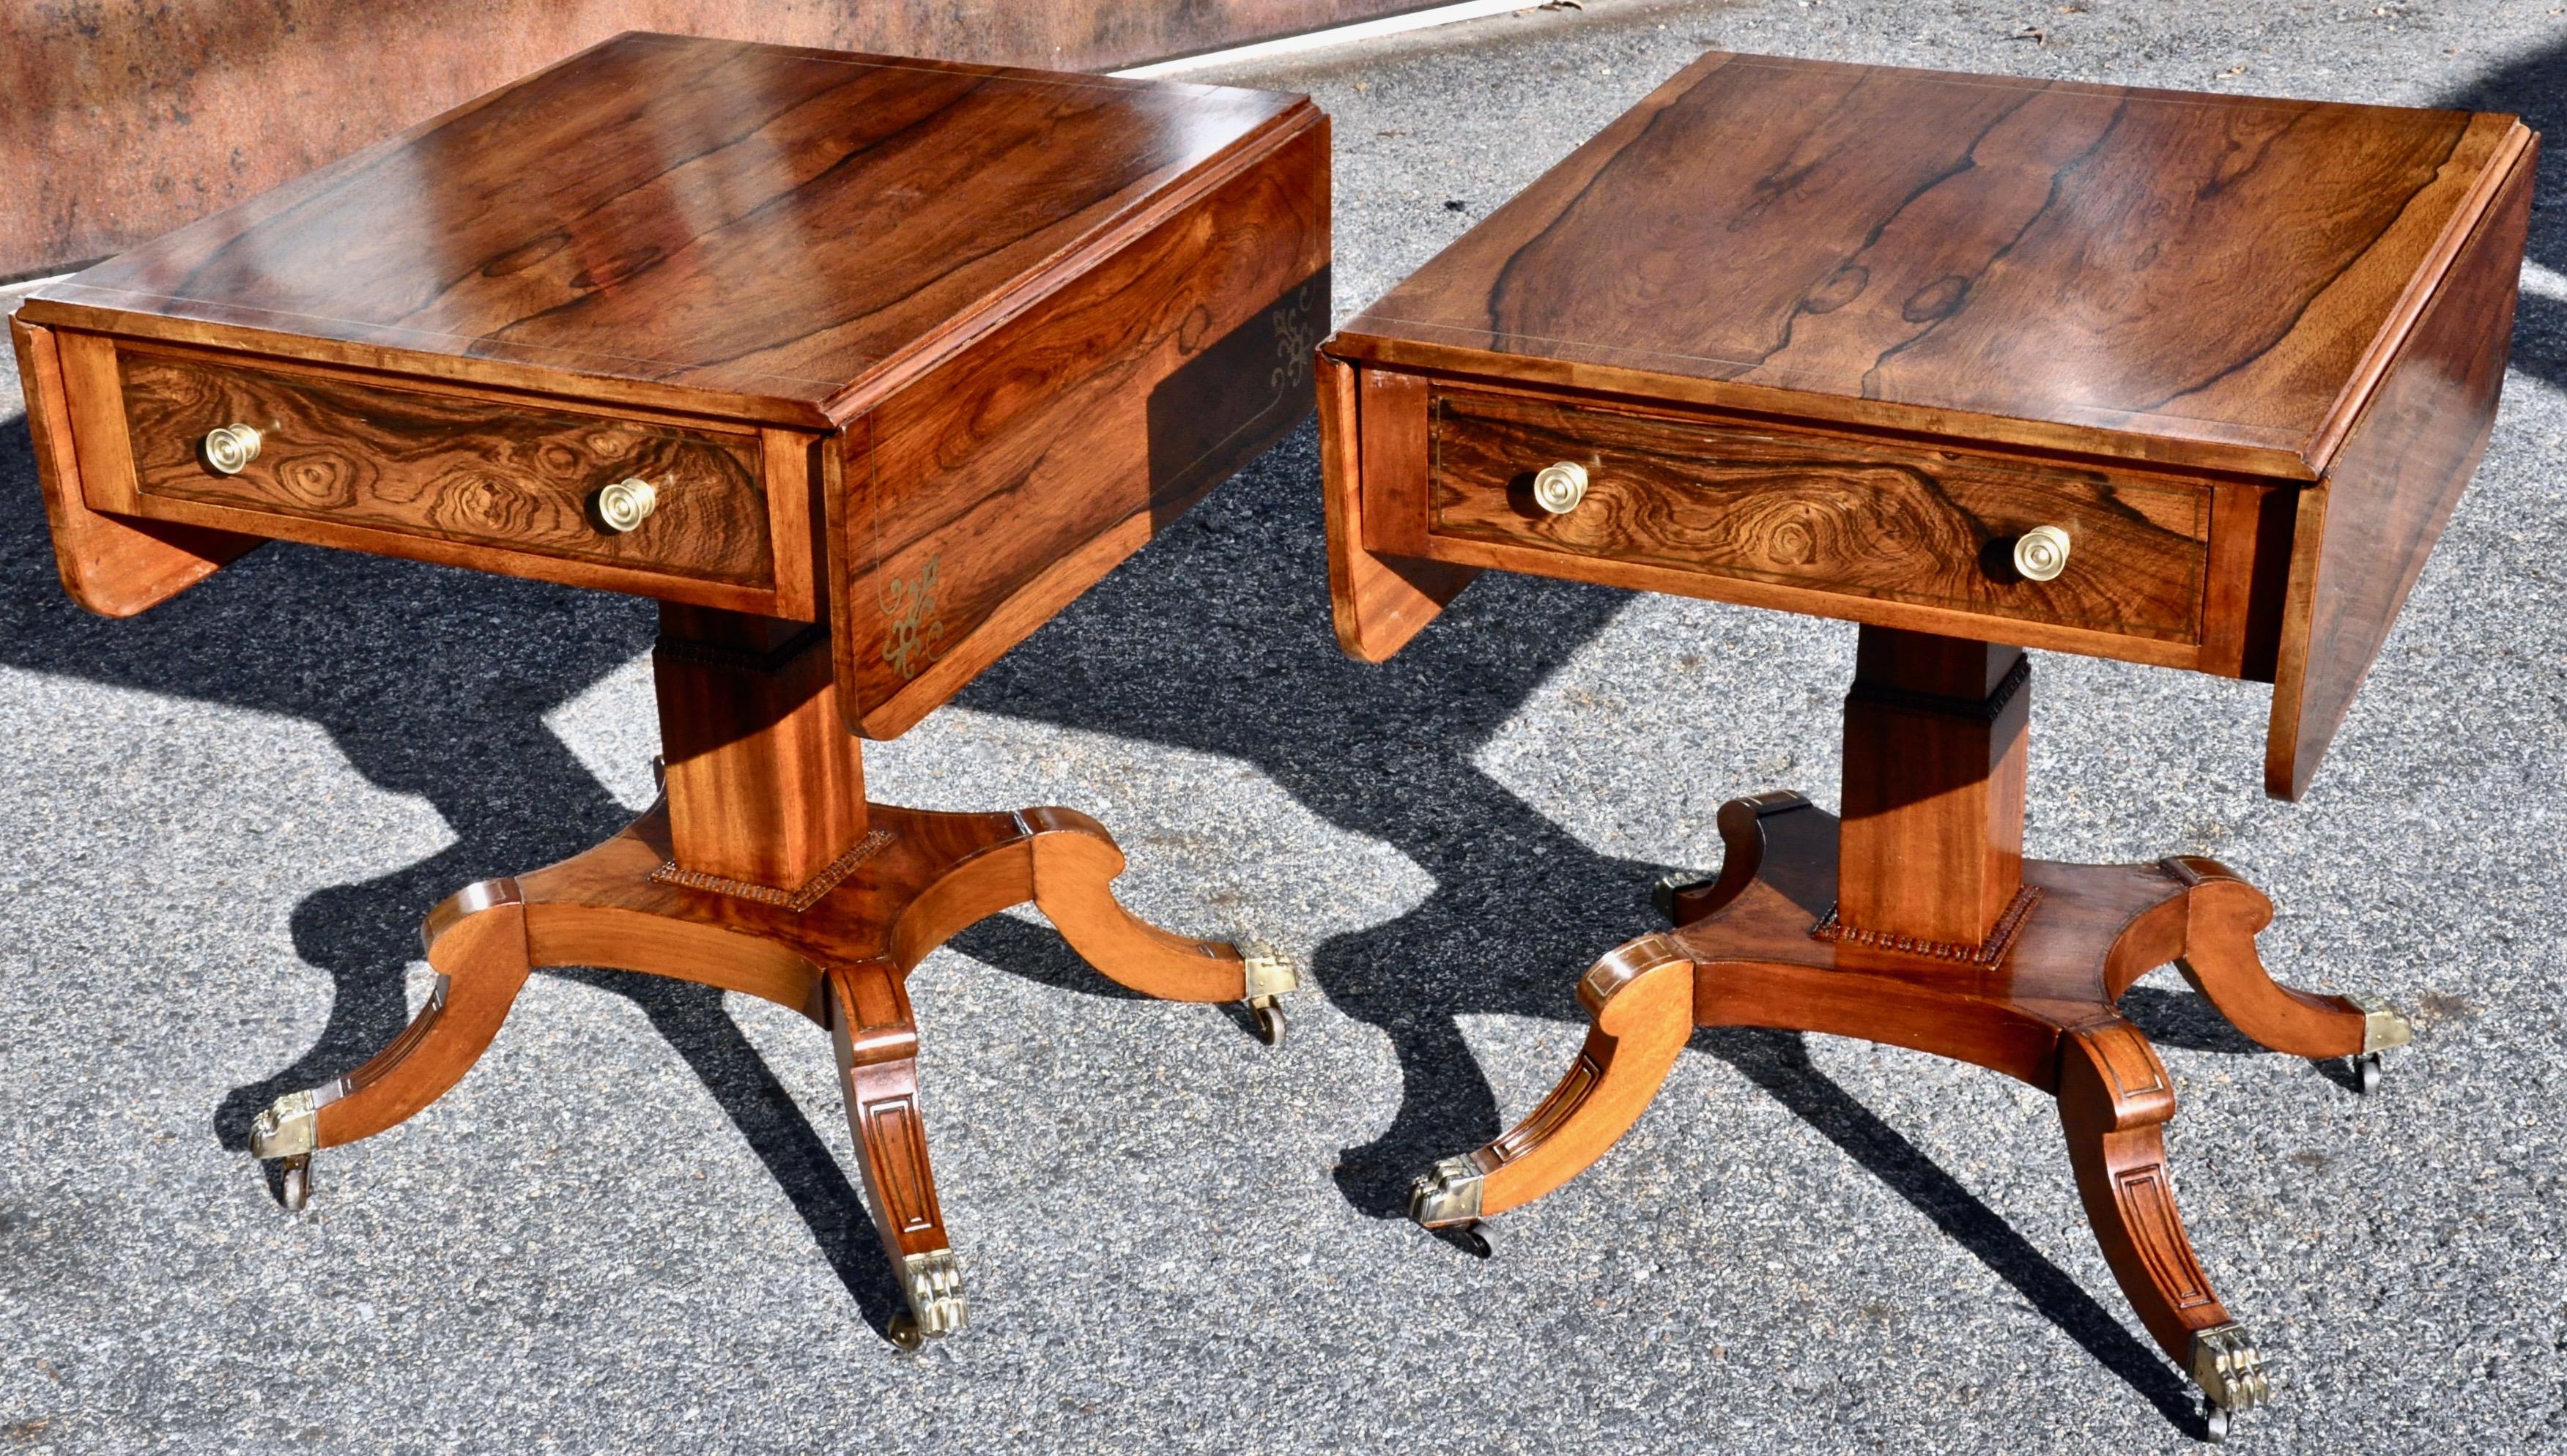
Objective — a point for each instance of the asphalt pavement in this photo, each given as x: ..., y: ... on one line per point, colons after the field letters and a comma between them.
x: 635, y: 1226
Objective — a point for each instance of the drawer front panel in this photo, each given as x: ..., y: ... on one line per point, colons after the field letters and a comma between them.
x: 449, y: 468
x: 1876, y: 519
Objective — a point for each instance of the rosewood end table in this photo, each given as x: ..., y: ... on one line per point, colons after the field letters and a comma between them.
x: 863, y: 367
x: 2191, y: 380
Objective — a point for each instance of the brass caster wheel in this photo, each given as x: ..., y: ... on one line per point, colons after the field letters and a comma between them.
x: 294, y: 1182
x: 1269, y: 1019
x: 2214, y: 1422
x: 1663, y: 894
x: 904, y: 1333
x: 2366, y: 1073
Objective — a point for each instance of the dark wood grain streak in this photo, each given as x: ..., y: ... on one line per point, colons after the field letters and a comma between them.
x: 2176, y: 278
x: 441, y: 468
x: 1864, y: 518
x: 1934, y: 283
x: 130, y: 118
x: 1827, y: 336
x: 748, y: 230
x: 2364, y: 537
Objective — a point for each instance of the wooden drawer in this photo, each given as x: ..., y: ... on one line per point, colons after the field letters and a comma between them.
x: 1728, y: 502
x: 470, y: 472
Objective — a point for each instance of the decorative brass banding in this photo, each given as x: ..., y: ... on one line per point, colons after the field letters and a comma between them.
x: 627, y: 503
x: 1559, y: 487
x: 230, y: 447
x: 2041, y: 553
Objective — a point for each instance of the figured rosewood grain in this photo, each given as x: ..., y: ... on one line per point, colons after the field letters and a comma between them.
x: 123, y: 126
x: 114, y: 566
x: 2177, y: 277
x: 1869, y: 518
x: 985, y: 494
x: 449, y: 467
x: 1377, y: 602
x: 694, y: 225
x: 2364, y: 537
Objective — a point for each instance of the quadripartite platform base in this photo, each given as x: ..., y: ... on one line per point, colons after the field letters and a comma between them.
x: 1916, y: 921
x: 1760, y: 946
x: 838, y: 950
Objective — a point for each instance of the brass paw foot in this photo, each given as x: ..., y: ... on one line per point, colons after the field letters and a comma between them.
x: 2230, y: 1373
x: 1270, y: 973
x: 934, y: 1281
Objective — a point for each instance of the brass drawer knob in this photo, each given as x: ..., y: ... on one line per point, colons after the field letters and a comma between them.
x: 2041, y: 553
x: 230, y: 447
x: 1560, y: 487
x: 627, y: 503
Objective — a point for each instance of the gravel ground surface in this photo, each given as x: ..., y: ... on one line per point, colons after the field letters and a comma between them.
x: 632, y: 1228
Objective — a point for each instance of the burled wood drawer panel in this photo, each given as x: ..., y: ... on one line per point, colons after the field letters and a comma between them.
x: 1867, y: 518
x: 449, y: 468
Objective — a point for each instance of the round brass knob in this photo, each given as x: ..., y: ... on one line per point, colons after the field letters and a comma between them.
x: 230, y: 447
x: 2041, y: 553
x: 627, y: 503
x: 1559, y: 487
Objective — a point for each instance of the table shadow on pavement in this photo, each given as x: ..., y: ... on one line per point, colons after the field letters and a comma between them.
x: 433, y: 682
x: 1217, y: 640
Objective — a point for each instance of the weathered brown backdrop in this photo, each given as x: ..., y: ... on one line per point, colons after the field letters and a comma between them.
x: 122, y: 118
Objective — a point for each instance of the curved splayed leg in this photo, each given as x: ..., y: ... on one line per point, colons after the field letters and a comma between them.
x: 1641, y: 1000
x: 2115, y: 1099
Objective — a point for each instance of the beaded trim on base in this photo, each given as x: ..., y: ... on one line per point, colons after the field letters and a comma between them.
x: 1987, y: 952
x: 797, y: 901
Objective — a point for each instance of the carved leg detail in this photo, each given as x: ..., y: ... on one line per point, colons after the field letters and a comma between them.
x: 1075, y: 862
x: 1641, y: 1000
x: 477, y: 940
x: 2114, y: 1098
x: 877, y: 1043
x: 2223, y: 915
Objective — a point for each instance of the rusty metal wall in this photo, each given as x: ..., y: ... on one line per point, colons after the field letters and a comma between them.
x: 122, y: 119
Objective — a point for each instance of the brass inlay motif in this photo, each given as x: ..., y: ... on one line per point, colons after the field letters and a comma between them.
x: 912, y: 633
